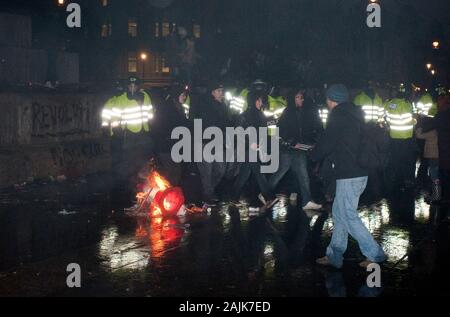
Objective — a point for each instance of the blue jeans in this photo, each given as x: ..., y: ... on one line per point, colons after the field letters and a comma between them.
x: 433, y: 169
x: 297, y: 161
x: 346, y: 221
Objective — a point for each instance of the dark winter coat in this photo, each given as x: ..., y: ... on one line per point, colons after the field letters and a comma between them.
x: 167, y: 117
x: 341, y: 141
x: 300, y: 125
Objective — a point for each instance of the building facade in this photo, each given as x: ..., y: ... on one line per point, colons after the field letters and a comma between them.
x: 130, y: 37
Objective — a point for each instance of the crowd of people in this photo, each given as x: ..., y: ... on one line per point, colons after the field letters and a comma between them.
x: 355, y: 143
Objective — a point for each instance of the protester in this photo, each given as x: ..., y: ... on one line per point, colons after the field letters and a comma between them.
x: 296, y: 126
x: 442, y: 125
x: 214, y: 113
x: 340, y: 143
x: 253, y: 117
x: 431, y: 155
x: 167, y: 117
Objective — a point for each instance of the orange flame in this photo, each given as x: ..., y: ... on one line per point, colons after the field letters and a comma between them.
x: 155, y: 180
x: 155, y: 210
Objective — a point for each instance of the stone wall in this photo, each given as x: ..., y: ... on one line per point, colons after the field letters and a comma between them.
x: 45, y: 135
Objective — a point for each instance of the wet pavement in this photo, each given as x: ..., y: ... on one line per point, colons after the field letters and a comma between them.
x: 224, y: 252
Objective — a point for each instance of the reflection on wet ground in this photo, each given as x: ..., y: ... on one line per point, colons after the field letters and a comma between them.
x: 222, y: 252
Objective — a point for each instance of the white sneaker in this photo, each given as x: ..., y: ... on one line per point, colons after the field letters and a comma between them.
x: 312, y: 206
x: 253, y: 212
x: 293, y: 197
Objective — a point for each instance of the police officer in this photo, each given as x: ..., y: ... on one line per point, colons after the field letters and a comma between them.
x: 400, y: 122
x: 371, y: 104
x: 127, y: 117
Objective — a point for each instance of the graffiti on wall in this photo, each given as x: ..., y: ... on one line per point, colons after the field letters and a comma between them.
x: 60, y: 120
x: 71, y: 154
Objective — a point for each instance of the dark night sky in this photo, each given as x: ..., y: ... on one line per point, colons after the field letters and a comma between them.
x: 434, y: 9
x: 413, y: 22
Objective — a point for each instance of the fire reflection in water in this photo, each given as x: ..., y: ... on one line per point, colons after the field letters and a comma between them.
x: 151, y: 240
x: 162, y: 234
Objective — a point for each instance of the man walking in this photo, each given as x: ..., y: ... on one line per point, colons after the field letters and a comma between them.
x: 215, y: 113
x: 340, y: 143
x: 293, y: 132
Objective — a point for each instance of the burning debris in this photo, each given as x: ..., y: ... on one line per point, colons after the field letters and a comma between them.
x: 156, y: 197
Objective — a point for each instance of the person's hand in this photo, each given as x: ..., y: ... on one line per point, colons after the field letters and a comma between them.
x: 298, y: 146
x: 254, y: 146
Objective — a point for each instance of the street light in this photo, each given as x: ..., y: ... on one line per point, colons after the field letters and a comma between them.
x: 143, y: 59
x: 61, y: 2
x: 436, y: 45
x: 433, y: 72
x: 429, y: 66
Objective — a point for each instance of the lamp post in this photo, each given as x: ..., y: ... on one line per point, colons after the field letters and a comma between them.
x: 143, y: 59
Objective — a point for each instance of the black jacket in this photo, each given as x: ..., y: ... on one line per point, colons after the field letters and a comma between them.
x: 300, y: 125
x: 341, y: 140
x: 167, y: 117
x: 311, y: 123
x: 252, y: 117
x: 214, y: 114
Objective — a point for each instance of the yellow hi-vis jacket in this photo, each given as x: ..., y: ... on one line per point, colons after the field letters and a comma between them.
x: 373, y: 109
x: 399, y: 118
x: 323, y: 114
x: 127, y: 114
x: 187, y: 107
x: 234, y: 101
x: 276, y: 108
x: 424, y: 105
x: 237, y: 103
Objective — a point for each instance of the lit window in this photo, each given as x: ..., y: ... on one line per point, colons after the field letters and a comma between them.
x: 132, y: 28
x: 106, y: 30
x: 104, y: 3
x: 157, y: 29
x: 165, y: 29
x: 165, y: 69
x: 132, y: 62
x: 157, y: 64
x: 196, y: 30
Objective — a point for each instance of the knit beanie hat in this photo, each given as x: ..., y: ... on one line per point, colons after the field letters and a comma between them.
x: 338, y: 93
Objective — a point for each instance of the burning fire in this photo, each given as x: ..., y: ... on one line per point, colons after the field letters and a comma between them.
x: 159, y: 196
x: 155, y: 180
x: 155, y: 210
